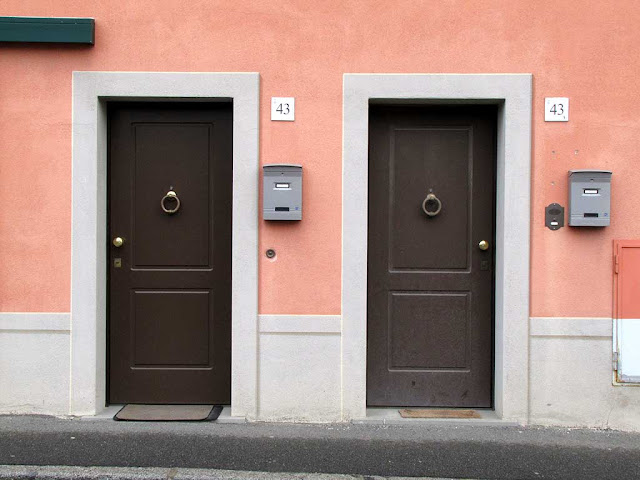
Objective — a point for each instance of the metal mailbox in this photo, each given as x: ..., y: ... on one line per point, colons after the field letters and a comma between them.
x: 282, y: 192
x: 589, y: 198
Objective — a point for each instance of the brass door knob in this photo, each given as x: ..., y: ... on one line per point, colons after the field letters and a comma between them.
x: 483, y: 245
x: 118, y: 242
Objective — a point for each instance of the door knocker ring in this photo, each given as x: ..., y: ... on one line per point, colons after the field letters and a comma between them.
x: 171, y: 195
x: 431, y: 205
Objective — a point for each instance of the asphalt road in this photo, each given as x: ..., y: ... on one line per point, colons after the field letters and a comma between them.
x: 442, y: 450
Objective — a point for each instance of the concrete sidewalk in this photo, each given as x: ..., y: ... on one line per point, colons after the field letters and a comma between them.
x: 421, y: 450
x: 137, y: 473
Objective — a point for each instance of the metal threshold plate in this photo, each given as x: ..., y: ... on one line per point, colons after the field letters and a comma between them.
x: 438, y: 413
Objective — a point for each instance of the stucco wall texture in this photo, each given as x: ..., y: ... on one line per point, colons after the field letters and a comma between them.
x: 582, y: 50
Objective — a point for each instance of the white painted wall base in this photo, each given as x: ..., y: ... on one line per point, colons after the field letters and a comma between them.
x: 299, y: 368
x: 571, y: 376
x: 34, y: 363
x: 299, y: 377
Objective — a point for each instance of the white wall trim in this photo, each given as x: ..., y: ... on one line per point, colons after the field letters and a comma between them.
x: 91, y: 91
x: 513, y: 94
x: 35, y: 321
x: 571, y: 327
x: 300, y: 323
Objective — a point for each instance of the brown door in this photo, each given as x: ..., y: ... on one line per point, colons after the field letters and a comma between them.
x: 430, y: 285
x: 170, y: 280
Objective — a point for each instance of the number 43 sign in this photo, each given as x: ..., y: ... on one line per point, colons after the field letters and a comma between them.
x: 283, y: 108
x: 556, y: 109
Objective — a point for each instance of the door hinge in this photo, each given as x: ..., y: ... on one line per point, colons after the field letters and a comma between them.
x: 616, y: 361
x: 616, y: 263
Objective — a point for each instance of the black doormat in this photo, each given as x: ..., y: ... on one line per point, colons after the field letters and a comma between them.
x: 168, y: 413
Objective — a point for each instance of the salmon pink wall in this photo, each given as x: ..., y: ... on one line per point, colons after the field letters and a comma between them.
x: 582, y: 50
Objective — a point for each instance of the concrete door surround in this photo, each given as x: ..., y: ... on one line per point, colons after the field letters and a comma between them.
x: 513, y: 95
x: 91, y: 92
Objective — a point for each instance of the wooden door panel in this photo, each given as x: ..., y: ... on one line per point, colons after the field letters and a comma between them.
x: 441, y: 243
x: 430, y: 288
x: 170, y: 283
x: 171, y: 328
x: 420, y: 324
x: 162, y: 240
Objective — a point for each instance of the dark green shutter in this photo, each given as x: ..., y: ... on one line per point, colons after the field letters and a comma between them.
x: 47, y: 30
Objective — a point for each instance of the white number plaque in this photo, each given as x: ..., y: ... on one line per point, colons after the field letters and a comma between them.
x: 556, y: 109
x: 283, y: 108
